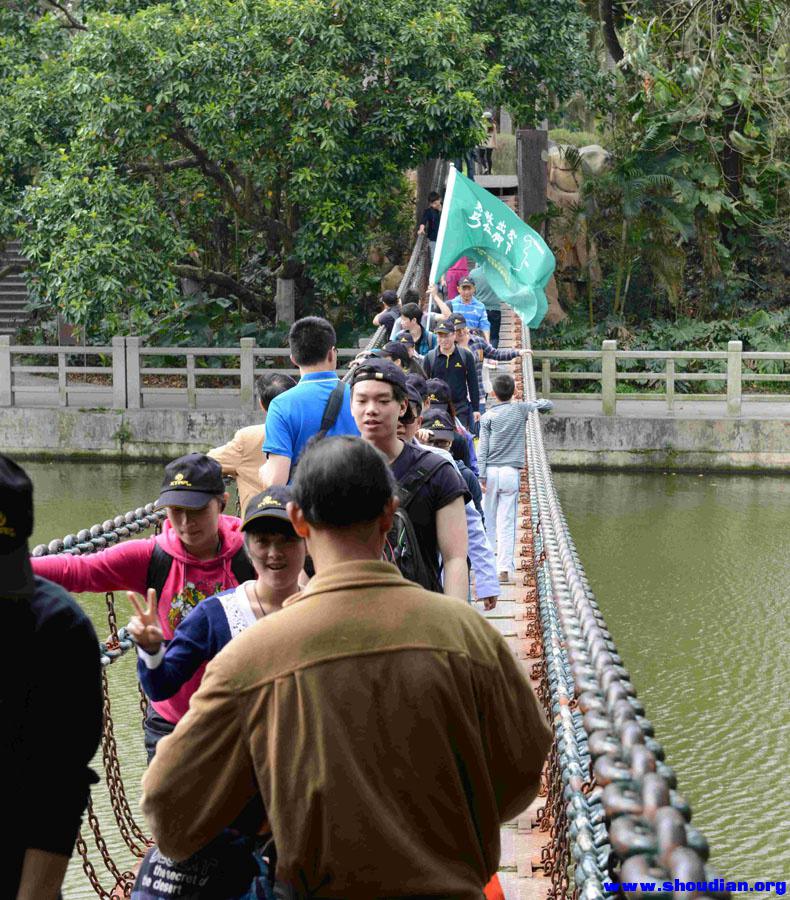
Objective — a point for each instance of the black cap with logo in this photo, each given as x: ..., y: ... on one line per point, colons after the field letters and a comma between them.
x: 466, y: 280
x: 458, y: 320
x: 446, y: 326
x: 191, y: 481
x: 405, y: 337
x: 380, y: 370
x: 439, y: 391
x: 269, y: 504
x: 439, y: 424
x: 16, y: 526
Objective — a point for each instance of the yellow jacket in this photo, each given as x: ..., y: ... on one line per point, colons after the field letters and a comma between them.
x: 390, y: 731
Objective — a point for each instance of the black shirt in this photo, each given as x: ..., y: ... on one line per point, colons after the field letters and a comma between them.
x: 388, y: 318
x: 444, y: 486
x: 51, y: 702
x: 459, y: 371
x: 430, y: 219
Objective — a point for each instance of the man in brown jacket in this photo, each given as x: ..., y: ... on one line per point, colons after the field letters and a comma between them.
x: 389, y: 730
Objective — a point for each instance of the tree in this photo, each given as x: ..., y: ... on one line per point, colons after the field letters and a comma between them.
x: 232, y: 142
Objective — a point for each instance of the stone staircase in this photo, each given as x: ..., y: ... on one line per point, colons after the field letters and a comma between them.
x: 13, y: 292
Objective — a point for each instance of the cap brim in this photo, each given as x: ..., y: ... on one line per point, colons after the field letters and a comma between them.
x: 441, y: 434
x: 187, y: 499
x: 280, y: 514
x: 17, y: 578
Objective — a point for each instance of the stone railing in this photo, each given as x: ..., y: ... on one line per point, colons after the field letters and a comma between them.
x: 127, y: 375
x: 653, y: 370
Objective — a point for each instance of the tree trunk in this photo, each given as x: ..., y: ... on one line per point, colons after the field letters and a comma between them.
x: 607, y: 14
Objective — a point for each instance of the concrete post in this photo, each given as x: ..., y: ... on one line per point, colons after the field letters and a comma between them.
x: 247, y: 374
x: 191, y: 386
x: 63, y: 394
x: 545, y: 378
x: 119, y: 373
x: 670, y: 383
x: 531, y: 145
x: 609, y: 378
x: 734, y: 369
x: 285, y: 301
x: 133, y: 393
x: 6, y: 388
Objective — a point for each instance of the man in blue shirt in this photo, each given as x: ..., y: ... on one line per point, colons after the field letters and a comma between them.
x: 470, y: 307
x: 295, y: 416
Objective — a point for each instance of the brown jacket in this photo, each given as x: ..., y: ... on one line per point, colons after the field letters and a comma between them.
x: 390, y: 732
x: 242, y: 457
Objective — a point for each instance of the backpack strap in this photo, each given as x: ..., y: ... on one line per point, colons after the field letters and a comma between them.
x: 161, y: 562
x: 418, y: 476
x: 241, y: 566
x: 428, y: 360
x: 158, y: 569
x: 332, y: 410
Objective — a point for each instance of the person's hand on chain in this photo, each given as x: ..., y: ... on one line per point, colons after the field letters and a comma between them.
x: 144, y: 627
x: 489, y: 603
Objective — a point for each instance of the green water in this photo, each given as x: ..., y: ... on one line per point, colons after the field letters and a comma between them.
x: 693, y: 576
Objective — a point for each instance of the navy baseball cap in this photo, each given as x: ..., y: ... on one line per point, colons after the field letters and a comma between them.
x: 396, y: 350
x: 419, y: 384
x: 380, y: 370
x: 458, y: 320
x: 191, y: 481
x: 439, y: 424
x: 405, y: 337
x: 466, y: 280
x: 438, y: 391
x: 445, y: 326
x: 269, y: 504
x: 16, y: 526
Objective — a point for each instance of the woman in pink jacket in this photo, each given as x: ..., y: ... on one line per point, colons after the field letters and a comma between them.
x: 199, y: 553
x: 453, y: 275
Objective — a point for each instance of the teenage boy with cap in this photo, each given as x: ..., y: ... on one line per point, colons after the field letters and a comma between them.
x: 470, y: 307
x: 277, y: 555
x: 295, y: 416
x: 378, y: 400
x: 198, y: 554
x: 362, y: 713
x: 50, y: 689
x: 456, y: 366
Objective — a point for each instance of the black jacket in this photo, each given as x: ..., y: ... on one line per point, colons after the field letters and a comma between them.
x: 459, y: 371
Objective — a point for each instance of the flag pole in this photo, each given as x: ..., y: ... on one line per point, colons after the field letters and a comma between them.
x: 440, y: 237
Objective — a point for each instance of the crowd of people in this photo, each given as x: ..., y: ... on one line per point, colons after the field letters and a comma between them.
x: 324, y: 700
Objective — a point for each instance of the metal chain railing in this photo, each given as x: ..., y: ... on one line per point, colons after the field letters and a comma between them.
x: 99, y: 537
x: 613, y: 810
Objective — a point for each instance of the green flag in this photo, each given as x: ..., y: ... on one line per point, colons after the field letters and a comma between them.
x: 516, y: 260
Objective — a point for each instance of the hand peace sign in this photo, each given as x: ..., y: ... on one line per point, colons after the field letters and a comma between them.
x: 144, y: 627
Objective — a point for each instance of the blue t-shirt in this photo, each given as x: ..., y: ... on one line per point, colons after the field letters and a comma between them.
x: 474, y: 313
x: 295, y: 416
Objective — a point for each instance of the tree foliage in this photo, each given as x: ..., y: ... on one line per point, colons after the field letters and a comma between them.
x: 233, y: 141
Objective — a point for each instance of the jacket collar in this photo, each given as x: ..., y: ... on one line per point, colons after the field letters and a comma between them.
x: 350, y: 576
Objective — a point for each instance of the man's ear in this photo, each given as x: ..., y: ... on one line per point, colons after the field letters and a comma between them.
x: 300, y: 524
x: 388, y: 514
x: 332, y: 357
x: 293, y: 361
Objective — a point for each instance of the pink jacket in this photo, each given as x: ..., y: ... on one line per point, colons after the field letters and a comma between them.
x: 125, y: 566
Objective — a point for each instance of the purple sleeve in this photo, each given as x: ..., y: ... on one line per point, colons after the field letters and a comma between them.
x: 503, y: 355
x: 123, y: 567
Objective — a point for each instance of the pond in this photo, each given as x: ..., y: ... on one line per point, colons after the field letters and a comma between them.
x: 693, y: 576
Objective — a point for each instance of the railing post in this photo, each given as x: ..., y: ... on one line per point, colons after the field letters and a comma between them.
x: 191, y: 386
x: 734, y: 364
x: 133, y: 393
x: 118, y: 373
x: 247, y: 374
x: 545, y: 378
x: 609, y: 378
x: 6, y: 388
x: 670, y: 383
x: 63, y: 393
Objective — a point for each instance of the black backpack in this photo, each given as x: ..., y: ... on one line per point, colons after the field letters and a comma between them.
x: 161, y: 562
x: 402, y: 546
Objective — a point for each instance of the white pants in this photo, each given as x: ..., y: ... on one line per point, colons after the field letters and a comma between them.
x: 499, y: 505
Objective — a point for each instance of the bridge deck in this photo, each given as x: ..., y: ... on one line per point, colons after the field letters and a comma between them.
x: 520, y: 870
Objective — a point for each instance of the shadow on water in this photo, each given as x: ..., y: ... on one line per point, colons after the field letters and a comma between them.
x: 693, y: 576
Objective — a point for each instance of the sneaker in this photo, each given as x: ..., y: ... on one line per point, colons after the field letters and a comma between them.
x: 504, y: 578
